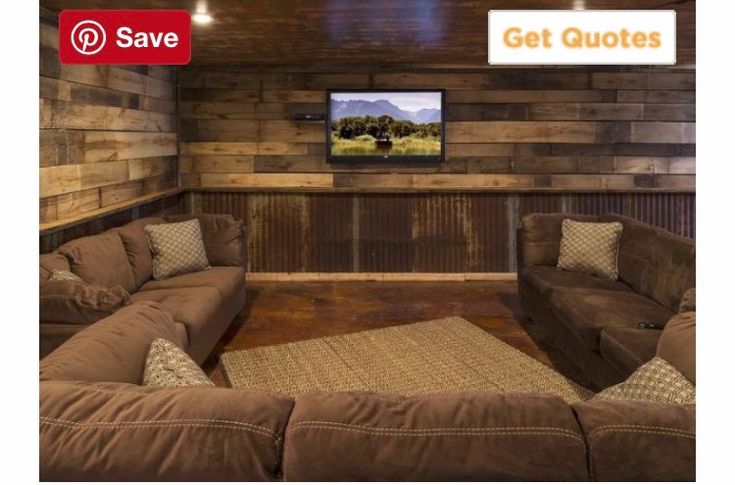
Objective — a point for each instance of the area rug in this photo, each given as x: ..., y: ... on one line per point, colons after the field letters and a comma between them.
x: 445, y: 355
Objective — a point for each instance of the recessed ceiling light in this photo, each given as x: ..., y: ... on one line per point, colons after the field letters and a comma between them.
x: 201, y: 18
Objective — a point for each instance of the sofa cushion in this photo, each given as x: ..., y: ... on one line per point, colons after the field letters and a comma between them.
x: 626, y: 349
x: 68, y: 301
x: 137, y: 248
x: 540, y: 235
x: 590, y: 247
x: 355, y: 436
x: 203, y: 310
x: 655, y: 262
x: 167, y: 365
x: 100, y: 260
x: 222, y: 235
x: 638, y: 441
x: 177, y: 248
x: 655, y: 381
x: 678, y: 344
x: 587, y: 311
x: 227, y: 279
x: 113, y: 349
x: 544, y: 279
x: 121, y: 432
x: 50, y: 262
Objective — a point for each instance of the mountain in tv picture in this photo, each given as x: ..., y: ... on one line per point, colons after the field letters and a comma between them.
x: 359, y: 107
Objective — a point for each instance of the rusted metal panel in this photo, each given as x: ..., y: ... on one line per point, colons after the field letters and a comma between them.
x: 385, y: 234
x: 487, y: 233
x: 535, y: 203
x: 331, y: 233
x: 439, y: 233
x: 277, y: 227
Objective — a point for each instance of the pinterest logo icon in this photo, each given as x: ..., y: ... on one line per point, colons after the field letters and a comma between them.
x: 88, y: 37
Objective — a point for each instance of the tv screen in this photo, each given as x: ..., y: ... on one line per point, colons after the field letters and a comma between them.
x: 402, y: 125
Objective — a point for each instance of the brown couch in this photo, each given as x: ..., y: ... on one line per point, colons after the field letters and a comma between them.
x: 98, y: 423
x: 202, y: 304
x: 594, y: 320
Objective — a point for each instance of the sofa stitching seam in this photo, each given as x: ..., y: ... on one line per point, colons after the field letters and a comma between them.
x: 161, y: 423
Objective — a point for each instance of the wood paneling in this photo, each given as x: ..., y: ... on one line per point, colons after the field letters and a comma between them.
x: 108, y: 134
x: 596, y: 128
x: 378, y: 32
x: 413, y: 233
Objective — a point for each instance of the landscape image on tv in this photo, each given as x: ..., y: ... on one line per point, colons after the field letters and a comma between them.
x: 385, y: 123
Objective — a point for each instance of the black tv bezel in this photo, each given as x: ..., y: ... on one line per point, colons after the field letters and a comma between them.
x: 384, y: 159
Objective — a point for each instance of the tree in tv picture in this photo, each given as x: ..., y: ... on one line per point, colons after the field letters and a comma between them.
x: 398, y: 123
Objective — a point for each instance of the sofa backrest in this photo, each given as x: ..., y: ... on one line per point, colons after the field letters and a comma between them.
x: 137, y: 248
x: 50, y: 262
x: 100, y: 260
x: 638, y: 441
x: 655, y: 262
x: 222, y: 235
x: 115, y: 348
x: 539, y: 237
x: 122, y: 432
x: 354, y: 436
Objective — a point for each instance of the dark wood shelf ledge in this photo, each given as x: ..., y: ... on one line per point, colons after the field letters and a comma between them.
x: 442, y: 189
x: 61, y: 224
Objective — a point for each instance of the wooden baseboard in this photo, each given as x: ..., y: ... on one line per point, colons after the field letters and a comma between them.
x: 258, y: 277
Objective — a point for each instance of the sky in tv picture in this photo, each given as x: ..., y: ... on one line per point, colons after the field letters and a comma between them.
x: 399, y: 105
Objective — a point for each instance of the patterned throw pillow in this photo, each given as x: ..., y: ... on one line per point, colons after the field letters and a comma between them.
x: 590, y: 247
x: 655, y: 381
x: 177, y: 248
x: 62, y: 275
x: 168, y: 366
x: 688, y: 301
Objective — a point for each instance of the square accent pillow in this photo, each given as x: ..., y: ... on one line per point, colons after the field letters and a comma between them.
x: 655, y: 381
x: 62, y: 275
x: 590, y: 247
x: 71, y: 301
x: 168, y: 366
x: 177, y: 248
x: 688, y: 301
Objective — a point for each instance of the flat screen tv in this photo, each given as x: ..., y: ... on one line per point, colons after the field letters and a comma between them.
x: 385, y: 125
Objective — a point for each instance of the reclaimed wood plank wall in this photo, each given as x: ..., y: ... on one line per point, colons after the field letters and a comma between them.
x: 416, y: 232
x: 595, y: 128
x: 108, y: 133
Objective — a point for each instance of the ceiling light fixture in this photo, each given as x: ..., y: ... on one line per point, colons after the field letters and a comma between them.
x: 201, y: 18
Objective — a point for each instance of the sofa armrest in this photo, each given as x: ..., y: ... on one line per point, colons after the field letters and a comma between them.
x: 539, y: 237
x: 638, y: 441
x: 223, y: 237
x: 95, y: 431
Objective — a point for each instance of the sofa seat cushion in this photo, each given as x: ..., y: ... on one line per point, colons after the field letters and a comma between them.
x: 226, y: 279
x: 121, y: 432
x: 471, y: 436
x: 544, y: 279
x: 586, y: 312
x: 626, y: 349
x: 100, y: 260
x: 203, y: 310
x: 113, y: 349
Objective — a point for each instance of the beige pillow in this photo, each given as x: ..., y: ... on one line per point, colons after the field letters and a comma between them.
x: 71, y: 301
x: 168, y: 366
x: 63, y: 275
x: 590, y: 247
x: 655, y: 381
x: 177, y: 248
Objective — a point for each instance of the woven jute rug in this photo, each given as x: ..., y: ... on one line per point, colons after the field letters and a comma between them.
x: 443, y: 355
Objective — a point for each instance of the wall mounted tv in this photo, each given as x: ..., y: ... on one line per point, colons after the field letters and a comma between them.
x: 385, y: 126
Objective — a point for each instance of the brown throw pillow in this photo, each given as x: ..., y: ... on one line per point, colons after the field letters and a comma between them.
x: 68, y: 301
x: 168, y: 366
x: 590, y: 247
x: 688, y: 301
x: 177, y: 248
x: 677, y: 344
x: 62, y: 275
x: 655, y: 381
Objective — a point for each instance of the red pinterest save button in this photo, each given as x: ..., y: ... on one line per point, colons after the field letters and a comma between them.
x: 125, y: 37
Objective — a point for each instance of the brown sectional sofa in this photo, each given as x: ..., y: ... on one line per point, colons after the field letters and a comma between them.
x: 594, y: 320
x: 203, y: 304
x: 98, y: 423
